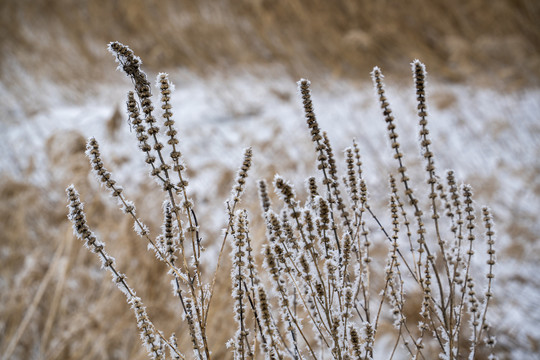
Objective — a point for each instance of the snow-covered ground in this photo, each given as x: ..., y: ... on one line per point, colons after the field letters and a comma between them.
x: 491, y: 140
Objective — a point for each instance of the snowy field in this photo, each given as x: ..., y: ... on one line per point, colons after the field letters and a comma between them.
x: 490, y: 139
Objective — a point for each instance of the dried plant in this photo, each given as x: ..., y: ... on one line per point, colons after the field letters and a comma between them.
x: 320, y: 293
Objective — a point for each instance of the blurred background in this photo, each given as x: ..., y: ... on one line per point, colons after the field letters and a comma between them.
x: 235, y: 64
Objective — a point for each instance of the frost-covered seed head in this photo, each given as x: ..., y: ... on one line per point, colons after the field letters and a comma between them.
x: 242, y: 174
x: 263, y: 196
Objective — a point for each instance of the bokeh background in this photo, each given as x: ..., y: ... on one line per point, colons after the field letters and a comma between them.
x: 235, y: 64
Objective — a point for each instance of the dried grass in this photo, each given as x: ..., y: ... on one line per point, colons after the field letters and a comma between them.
x: 61, y: 39
x: 80, y: 315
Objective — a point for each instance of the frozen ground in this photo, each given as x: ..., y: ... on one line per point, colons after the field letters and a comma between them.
x: 491, y: 140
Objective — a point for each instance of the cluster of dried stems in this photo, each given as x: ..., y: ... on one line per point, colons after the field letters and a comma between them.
x: 318, y: 294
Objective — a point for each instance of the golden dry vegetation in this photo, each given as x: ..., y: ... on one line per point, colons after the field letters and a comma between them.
x: 55, y: 302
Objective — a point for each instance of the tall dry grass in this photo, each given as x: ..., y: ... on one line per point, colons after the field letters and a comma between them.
x: 61, y: 39
x: 34, y: 235
x: 335, y: 281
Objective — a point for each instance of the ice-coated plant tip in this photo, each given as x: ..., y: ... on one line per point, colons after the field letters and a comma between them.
x: 305, y: 92
x: 324, y: 292
x: 242, y: 174
x: 263, y: 195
